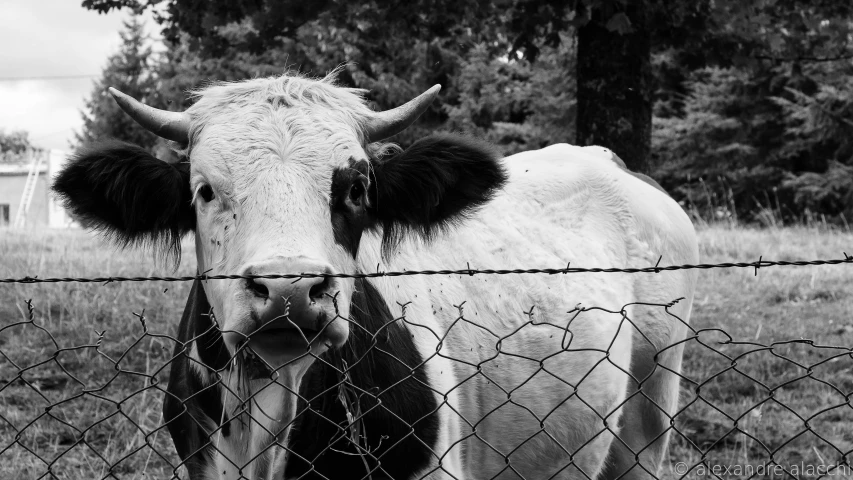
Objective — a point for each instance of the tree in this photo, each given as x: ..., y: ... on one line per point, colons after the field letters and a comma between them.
x: 516, y: 105
x: 14, y: 145
x: 760, y: 129
x: 131, y: 71
x: 614, y: 83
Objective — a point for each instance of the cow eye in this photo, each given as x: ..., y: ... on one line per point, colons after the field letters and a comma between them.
x: 356, y: 191
x: 206, y: 193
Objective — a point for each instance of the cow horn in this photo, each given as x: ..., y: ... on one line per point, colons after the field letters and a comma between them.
x: 391, y: 122
x: 173, y: 126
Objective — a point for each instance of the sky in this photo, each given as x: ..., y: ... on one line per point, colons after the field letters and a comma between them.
x: 52, y: 38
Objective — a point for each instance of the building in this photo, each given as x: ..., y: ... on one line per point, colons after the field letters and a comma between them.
x: 44, y: 210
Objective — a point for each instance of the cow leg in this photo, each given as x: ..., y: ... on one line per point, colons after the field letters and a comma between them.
x: 572, y: 446
x: 575, y: 394
x: 640, y: 449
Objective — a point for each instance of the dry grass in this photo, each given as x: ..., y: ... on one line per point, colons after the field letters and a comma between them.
x: 111, y: 414
x: 102, y: 415
x: 790, y: 402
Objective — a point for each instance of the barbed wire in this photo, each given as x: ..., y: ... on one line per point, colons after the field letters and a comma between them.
x: 760, y: 263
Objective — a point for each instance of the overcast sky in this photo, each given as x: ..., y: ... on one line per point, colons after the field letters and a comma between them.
x: 49, y: 38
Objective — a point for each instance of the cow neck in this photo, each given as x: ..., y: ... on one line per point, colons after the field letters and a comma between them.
x: 386, y: 389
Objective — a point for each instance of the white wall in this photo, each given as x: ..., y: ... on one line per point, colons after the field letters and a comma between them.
x: 57, y: 217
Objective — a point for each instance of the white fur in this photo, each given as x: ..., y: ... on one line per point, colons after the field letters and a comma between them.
x: 562, y: 204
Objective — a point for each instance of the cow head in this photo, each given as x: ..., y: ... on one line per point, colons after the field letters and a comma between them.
x: 279, y: 175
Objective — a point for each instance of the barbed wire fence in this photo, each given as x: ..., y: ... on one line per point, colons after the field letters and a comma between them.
x: 72, y: 408
x: 760, y: 263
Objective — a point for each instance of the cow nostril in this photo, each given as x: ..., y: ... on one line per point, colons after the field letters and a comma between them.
x: 257, y: 288
x: 319, y: 289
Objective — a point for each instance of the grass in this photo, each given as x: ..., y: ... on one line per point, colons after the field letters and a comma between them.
x: 791, y: 402
x: 104, y: 382
x: 84, y: 352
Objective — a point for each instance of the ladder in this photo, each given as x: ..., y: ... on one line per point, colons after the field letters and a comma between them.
x: 29, y: 189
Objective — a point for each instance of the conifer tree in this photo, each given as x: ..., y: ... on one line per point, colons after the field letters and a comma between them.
x: 131, y: 71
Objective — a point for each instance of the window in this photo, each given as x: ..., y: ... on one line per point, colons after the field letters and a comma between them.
x: 4, y: 214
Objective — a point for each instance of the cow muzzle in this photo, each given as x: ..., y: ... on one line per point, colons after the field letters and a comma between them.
x: 294, y: 316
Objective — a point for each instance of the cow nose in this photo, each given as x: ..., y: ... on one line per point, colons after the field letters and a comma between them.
x: 302, y: 291
x: 286, y: 303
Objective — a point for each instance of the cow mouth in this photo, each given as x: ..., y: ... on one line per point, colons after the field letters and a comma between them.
x: 286, y: 339
x: 275, y: 346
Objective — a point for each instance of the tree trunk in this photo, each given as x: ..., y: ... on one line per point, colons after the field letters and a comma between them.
x: 614, y: 81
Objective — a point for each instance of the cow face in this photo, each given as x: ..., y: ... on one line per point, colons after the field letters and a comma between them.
x: 280, y: 176
x: 266, y: 194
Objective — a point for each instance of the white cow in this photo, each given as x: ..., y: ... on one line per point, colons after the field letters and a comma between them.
x: 444, y: 376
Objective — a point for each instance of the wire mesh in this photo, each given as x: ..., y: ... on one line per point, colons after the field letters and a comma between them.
x: 90, y: 404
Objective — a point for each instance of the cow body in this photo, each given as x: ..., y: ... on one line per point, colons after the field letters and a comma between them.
x: 430, y: 376
x: 561, y: 204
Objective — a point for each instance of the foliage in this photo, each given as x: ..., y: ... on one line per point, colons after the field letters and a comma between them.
x: 776, y: 136
x: 819, y: 133
x: 759, y: 120
x: 502, y: 101
x: 14, y: 142
x: 14, y: 146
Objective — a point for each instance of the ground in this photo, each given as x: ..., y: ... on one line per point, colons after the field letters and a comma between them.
x: 790, y: 402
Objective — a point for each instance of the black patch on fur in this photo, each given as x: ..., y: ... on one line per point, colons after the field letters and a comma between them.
x: 347, y: 224
x: 432, y: 184
x: 400, y: 424
x: 191, y: 403
x: 129, y: 194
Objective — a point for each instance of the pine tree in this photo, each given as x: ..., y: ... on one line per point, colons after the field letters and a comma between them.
x: 131, y: 71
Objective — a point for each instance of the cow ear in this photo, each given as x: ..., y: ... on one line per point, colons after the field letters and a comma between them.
x: 432, y: 185
x: 129, y: 194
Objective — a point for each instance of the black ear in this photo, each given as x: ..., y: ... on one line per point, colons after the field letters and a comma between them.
x: 129, y: 194
x: 432, y: 184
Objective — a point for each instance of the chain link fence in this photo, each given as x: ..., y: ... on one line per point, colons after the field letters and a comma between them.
x: 89, y: 404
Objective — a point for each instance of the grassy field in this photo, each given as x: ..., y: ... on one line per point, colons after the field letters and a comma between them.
x: 102, y: 415
x: 790, y: 403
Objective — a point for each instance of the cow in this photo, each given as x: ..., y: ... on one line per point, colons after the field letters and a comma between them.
x: 340, y: 374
